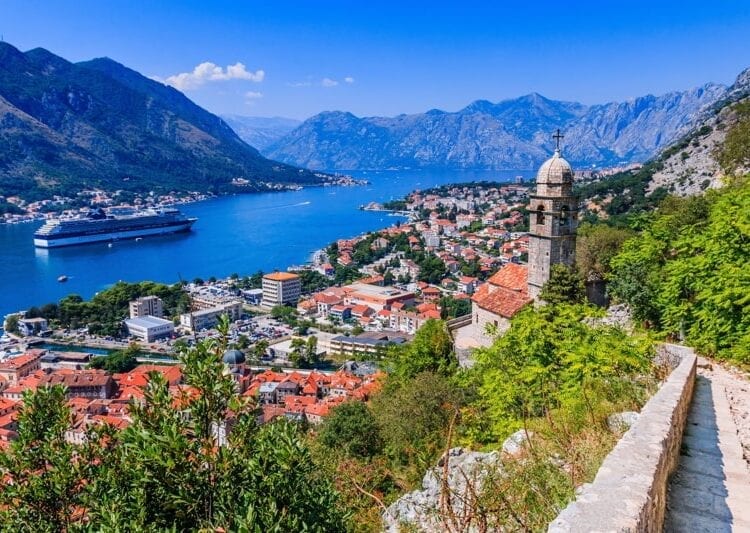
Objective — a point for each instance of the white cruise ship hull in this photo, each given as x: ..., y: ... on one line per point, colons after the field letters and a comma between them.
x: 41, y: 242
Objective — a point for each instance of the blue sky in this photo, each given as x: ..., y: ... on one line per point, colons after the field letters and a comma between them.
x: 385, y: 58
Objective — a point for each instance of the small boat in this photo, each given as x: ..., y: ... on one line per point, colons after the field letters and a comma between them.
x: 109, y: 245
x: 62, y: 279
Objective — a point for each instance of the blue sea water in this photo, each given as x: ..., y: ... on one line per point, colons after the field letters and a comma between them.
x: 234, y: 234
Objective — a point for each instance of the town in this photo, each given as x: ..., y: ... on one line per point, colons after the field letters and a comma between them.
x: 301, y: 340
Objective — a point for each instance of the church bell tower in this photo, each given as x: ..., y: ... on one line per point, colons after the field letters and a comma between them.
x: 553, y: 212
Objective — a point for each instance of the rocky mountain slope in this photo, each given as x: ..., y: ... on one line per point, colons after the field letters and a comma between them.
x: 260, y: 132
x: 66, y: 126
x: 702, y: 157
x: 509, y: 134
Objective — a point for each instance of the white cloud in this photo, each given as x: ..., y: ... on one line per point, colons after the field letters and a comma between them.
x: 253, y: 95
x: 299, y: 83
x: 349, y: 79
x: 328, y: 82
x: 209, y: 72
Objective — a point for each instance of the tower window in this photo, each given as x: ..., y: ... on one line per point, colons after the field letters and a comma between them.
x: 564, y: 214
x: 540, y: 214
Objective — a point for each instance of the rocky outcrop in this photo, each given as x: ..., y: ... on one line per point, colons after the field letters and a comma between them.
x: 691, y: 166
x: 420, y: 509
x: 509, y: 134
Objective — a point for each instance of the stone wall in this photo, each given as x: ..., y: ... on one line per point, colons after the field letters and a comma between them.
x: 629, y: 491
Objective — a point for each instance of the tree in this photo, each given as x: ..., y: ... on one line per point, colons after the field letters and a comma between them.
x: 311, y: 349
x: 190, y: 461
x: 11, y: 324
x: 259, y: 349
x: 42, y: 484
x: 431, y: 350
x: 565, y: 285
x: 413, y: 416
x: 119, y: 361
x: 298, y: 355
x: 351, y: 429
x: 596, y: 245
x: 551, y: 358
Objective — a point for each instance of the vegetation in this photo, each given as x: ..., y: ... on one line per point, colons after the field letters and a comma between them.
x: 104, y: 313
x: 565, y: 285
x: 165, y: 471
x: 686, y: 273
x: 351, y: 428
x: 118, y: 361
x: 431, y: 350
x: 735, y: 152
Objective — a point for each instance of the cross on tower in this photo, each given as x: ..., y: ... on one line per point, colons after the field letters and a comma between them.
x: 557, y: 136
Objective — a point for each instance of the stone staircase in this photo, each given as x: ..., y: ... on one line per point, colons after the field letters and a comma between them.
x: 710, y: 489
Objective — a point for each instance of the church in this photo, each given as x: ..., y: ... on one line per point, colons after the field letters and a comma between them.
x: 553, y: 220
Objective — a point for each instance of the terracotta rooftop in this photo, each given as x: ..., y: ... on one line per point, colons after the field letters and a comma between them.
x: 281, y: 276
x: 512, y: 277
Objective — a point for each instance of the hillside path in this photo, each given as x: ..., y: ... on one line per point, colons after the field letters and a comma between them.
x: 710, y: 490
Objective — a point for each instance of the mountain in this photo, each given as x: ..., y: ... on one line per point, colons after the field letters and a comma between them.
x: 66, y: 126
x: 260, y: 132
x: 717, y: 145
x: 513, y: 134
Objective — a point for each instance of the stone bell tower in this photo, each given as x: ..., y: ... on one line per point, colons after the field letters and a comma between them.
x: 553, y: 212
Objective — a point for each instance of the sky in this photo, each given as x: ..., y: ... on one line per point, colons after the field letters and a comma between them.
x: 295, y: 59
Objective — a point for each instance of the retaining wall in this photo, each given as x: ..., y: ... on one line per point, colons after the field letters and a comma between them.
x: 629, y: 492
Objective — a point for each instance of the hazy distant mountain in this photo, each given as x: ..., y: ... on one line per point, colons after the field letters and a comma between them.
x: 260, y: 132
x: 65, y: 126
x: 509, y: 134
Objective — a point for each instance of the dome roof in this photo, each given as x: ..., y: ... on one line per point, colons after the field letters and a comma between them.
x: 233, y: 357
x: 555, y: 170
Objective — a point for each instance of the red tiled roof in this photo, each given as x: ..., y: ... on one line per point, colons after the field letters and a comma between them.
x: 513, y: 277
x: 499, y: 300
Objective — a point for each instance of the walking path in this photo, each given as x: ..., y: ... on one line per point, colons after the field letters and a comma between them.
x: 710, y: 490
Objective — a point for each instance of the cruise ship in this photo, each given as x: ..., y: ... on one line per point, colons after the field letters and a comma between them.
x: 111, y: 225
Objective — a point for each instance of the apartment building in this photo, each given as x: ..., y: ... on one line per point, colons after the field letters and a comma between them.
x: 281, y: 288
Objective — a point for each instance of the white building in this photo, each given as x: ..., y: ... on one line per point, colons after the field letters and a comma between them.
x: 281, y: 288
x: 147, y: 306
x: 32, y: 326
x: 149, y: 328
x: 208, y: 318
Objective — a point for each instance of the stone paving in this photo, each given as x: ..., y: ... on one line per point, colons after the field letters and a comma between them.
x: 710, y: 489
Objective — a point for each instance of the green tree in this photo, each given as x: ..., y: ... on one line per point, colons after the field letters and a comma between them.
x: 414, y: 416
x: 565, y: 285
x: 596, y: 245
x: 351, y: 428
x: 42, y: 484
x: 119, y: 361
x: 194, y: 461
x: 11, y: 324
x: 431, y: 350
x: 311, y: 349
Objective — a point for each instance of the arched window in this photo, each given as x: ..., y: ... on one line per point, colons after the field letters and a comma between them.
x: 540, y: 214
x: 564, y: 215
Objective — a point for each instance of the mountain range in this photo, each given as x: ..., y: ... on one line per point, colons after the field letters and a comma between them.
x: 66, y: 126
x: 511, y: 134
x: 260, y: 132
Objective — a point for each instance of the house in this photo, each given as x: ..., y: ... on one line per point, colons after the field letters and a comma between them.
x: 467, y: 284
x: 32, y: 326
x: 82, y: 383
x: 340, y: 311
x: 13, y: 369
x: 431, y: 294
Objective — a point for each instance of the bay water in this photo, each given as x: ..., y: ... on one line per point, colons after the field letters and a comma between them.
x: 234, y: 234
